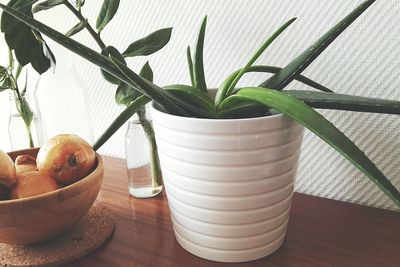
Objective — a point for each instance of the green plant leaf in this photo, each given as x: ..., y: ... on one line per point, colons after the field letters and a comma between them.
x: 193, y: 96
x: 149, y: 44
x: 110, y: 50
x: 28, y: 46
x: 272, y: 69
x: 230, y: 84
x: 121, y: 119
x: 107, y: 12
x: 126, y: 94
x: 300, y: 63
x: 79, y: 3
x: 5, y: 83
x: 3, y: 72
x: 77, y: 28
x: 198, y: 65
x: 24, y: 110
x: 45, y: 58
x: 46, y: 5
x: 323, y: 100
x: 309, y: 118
x: 243, y: 109
x: 146, y: 72
x: 190, y: 66
x: 346, y: 102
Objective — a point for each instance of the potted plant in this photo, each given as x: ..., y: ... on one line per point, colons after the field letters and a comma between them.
x: 229, y: 161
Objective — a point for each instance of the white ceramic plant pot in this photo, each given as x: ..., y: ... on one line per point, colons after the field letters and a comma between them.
x: 229, y: 183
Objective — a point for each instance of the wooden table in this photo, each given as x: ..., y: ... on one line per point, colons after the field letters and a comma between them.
x: 321, y: 232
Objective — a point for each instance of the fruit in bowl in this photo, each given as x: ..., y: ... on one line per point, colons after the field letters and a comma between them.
x: 41, y: 208
x: 67, y: 158
x: 7, y: 171
x: 33, y: 183
x: 25, y: 163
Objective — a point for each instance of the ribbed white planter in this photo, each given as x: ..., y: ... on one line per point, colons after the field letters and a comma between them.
x: 229, y: 183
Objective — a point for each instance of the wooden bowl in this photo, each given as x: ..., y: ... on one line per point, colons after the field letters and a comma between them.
x: 34, y: 219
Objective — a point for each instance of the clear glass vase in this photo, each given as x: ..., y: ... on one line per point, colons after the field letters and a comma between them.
x: 24, y: 125
x: 144, y: 173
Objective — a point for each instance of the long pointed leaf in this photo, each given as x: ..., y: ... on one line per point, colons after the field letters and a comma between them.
x: 198, y: 65
x: 346, y: 102
x: 229, y: 86
x: 300, y: 63
x: 149, y: 44
x: 193, y: 96
x: 147, y: 72
x: 272, y: 69
x: 244, y: 109
x: 107, y: 12
x: 315, y: 122
x: 190, y: 66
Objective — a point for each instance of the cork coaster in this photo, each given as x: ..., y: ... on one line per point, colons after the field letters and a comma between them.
x: 84, y: 237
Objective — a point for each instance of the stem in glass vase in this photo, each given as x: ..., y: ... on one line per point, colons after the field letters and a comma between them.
x: 26, y: 117
x: 154, y: 160
x: 31, y: 145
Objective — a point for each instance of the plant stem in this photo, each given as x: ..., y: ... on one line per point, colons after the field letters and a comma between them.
x: 156, y: 175
x: 10, y: 61
x: 18, y: 96
x: 93, y: 33
x: 31, y: 144
x: 18, y: 72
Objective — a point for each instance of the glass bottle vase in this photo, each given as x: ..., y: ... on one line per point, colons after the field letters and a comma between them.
x: 144, y: 174
x: 24, y: 125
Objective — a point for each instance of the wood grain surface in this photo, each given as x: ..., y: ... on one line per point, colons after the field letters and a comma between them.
x: 321, y: 232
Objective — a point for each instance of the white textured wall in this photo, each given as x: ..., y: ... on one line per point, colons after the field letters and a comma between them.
x: 365, y: 60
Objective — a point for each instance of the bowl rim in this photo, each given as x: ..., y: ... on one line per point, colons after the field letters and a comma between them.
x: 99, y: 168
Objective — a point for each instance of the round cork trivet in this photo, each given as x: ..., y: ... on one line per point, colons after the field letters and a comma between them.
x: 82, y: 238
